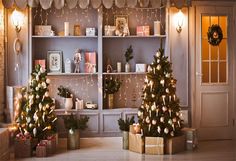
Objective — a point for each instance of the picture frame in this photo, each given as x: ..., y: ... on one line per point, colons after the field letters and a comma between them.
x: 54, y: 61
x: 120, y: 21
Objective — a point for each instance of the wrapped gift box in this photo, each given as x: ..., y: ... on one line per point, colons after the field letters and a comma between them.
x: 41, y: 62
x: 135, y: 129
x: 175, y: 144
x: 143, y: 30
x: 42, y: 30
x: 41, y: 150
x: 4, y: 142
x: 136, y: 143
x: 154, y: 145
x: 191, y: 138
x: 23, y: 147
x: 90, y: 62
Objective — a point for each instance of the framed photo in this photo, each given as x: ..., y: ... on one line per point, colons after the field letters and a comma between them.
x: 121, y: 21
x: 54, y: 61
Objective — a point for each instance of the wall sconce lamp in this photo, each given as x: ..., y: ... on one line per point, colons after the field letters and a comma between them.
x: 179, y: 21
x: 17, y: 19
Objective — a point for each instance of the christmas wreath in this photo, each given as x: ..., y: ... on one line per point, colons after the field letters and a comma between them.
x: 214, y: 35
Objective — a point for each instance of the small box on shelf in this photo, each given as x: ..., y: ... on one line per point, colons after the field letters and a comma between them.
x: 42, y: 30
x: 91, y: 31
x: 143, y: 30
x: 41, y: 62
x: 90, y: 62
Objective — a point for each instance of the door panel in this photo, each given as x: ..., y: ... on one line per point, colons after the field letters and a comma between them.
x: 214, y: 104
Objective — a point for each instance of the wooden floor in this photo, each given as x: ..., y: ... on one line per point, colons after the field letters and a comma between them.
x: 109, y: 149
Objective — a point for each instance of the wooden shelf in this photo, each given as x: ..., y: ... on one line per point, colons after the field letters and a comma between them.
x: 134, y: 109
x: 126, y: 73
x: 71, y: 74
x: 135, y: 36
x: 56, y: 37
x: 63, y: 111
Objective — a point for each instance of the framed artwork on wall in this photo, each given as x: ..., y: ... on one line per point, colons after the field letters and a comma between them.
x: 121, y: 22
x: 54, y: 61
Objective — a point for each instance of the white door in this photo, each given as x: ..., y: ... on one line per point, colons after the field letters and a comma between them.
x: 214, y: 75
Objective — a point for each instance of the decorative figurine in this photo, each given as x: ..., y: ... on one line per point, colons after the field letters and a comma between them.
x: 77, y: 60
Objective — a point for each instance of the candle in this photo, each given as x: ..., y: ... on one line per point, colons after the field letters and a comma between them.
x: 118, y: 67
x: 157, y: 28
x: 66, y: 29
x: 163, y: 98
x: 174, y: 97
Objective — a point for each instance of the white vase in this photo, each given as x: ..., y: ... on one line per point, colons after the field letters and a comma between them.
x: 68, y: 104
x: 127, y: 67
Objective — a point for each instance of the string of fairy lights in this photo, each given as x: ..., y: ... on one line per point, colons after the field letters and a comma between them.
x: 128, y: 95
x: 142, y: 16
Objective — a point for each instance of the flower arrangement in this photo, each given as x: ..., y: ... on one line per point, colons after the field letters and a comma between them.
x: 64, y: 92
x: 111, y: 85
x: 72, y: 123
x: 128, y: 54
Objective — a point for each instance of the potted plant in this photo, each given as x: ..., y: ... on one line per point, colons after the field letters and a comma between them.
x: 73, y: 125
x: 128, y: 57
x: 124, y: 127
x: 111, y: 86
x: 65, y: 93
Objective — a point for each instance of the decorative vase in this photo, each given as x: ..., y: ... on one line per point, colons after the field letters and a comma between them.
x: 127, y: 67
x: 68, y: 104
x: 110, y: 101
x: 73, y: 139
x: 125, y: 140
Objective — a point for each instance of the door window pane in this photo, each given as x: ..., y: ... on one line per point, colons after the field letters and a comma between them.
x: 223, y: 47
x: 205, y: 25
x: 205, y: 50
x: 223, y: 25
x: 214, y: 72
x: 214, y: 58
x: 205, y: 72
x: 222, y: 72
x: 214, y: 20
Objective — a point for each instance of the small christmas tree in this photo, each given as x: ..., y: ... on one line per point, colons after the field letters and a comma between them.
x: 35, y: 113
x: 159, y: 114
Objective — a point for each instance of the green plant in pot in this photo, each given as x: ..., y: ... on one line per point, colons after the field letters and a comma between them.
x: 65, y: 93
x: 74, y: 125
x: 124, y: 127
x: 128, y: 57
x: 111, y: 86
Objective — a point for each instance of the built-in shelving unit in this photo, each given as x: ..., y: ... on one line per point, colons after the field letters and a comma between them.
x: 89, y: 86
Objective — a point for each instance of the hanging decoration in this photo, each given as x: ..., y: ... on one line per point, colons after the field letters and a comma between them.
x: 22, y: 4
x: 131, y: 3
x: 96, y: 3
x: 83, y: 4
x: 71, y: 3
x: 45, y: 4
x: 214, y: 35
x: 107, y: 3
x: 33, y: 3
x: 59, y: 4
x: 120, y: 3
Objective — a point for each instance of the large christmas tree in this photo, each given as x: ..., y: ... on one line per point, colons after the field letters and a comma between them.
x: 35, y: 112
x: 159, y: 114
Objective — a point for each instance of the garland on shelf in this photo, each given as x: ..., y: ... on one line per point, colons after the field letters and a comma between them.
x: 214, y: 35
